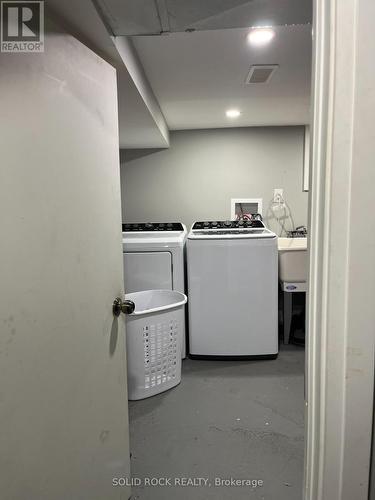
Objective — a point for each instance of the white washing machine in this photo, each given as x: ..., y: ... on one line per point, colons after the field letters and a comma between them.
x: 232, y: 271
x: 154, y: 258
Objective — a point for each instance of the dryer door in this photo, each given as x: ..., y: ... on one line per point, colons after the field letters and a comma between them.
x: 147, y: 271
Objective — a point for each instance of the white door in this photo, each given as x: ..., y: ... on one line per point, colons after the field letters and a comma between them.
x: 63, y: 396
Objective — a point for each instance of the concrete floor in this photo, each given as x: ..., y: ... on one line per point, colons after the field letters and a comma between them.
x: 241, y: 419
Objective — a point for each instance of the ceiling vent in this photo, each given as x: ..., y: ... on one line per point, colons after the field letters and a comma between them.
x: 261, y: 73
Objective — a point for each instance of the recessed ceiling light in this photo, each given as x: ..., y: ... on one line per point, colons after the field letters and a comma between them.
x: 260, y: 36
x: 233, y: 113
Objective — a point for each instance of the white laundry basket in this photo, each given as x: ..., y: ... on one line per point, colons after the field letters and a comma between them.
x: 154, y: 342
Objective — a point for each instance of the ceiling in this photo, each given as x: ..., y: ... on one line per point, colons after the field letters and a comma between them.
x: 146, y: 17
x: 187, y: 80
x: 197, y: 76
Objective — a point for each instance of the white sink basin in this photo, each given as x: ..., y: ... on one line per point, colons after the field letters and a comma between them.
x: 293, y: 263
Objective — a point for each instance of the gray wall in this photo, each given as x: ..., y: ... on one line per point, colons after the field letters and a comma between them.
x: 203, y: 169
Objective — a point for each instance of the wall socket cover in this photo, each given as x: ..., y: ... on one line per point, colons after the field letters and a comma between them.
x: 278, y: 195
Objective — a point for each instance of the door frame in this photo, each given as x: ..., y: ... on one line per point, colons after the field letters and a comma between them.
x: 339, y: 355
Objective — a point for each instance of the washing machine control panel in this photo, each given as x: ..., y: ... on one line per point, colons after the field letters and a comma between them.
x: 228, y: 224
x: 152, y: 226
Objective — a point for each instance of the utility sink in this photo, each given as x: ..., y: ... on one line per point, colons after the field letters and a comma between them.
x: 293, y: 259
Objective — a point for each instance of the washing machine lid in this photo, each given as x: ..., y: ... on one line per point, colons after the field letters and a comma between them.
x: 252, y: 229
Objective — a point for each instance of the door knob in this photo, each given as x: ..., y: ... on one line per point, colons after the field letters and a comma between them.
x: 122, y: 306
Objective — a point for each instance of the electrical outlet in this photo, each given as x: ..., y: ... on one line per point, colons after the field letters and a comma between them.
x: 278, y: 195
